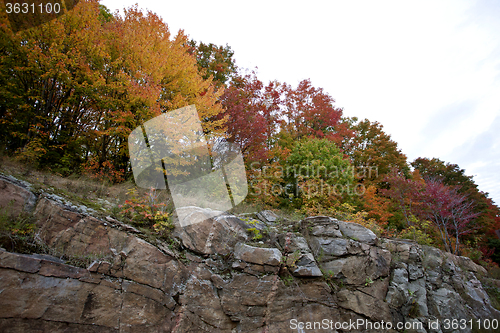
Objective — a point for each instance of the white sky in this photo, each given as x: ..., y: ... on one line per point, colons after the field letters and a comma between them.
x: 428, y: 71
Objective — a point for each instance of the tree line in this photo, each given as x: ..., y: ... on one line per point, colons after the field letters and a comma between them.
x: 75, y: 87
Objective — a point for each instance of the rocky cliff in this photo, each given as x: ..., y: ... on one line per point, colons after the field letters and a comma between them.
x: 317, y: 275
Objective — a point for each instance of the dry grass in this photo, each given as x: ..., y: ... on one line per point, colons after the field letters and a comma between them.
x: 102, y: 196
x: 80, y: 187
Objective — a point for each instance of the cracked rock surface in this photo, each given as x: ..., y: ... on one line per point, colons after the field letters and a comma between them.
x: 221, y: 280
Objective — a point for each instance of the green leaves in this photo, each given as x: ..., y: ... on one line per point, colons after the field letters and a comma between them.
x: 320, y: 159
x: 214, y: 61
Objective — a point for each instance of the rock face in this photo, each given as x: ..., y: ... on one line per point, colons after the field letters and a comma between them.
x: 336, y: 275
x: 15, y: 196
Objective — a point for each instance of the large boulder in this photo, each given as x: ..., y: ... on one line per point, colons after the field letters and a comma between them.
x: 123, y: 254
x: 41, y: 290
x: 299, y: 256
x: 257, y: 255
x: 15, y: 196
x: 357, y: 232
x: 213, y: 235
x: 267, y: 216
x: 256, y: 260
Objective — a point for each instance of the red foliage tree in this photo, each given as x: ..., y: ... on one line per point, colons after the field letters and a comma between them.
x: 451, y: 212
x: 404, y: 192
x: 251, y: 109
x: 309, y: 111
x: 488, y: 220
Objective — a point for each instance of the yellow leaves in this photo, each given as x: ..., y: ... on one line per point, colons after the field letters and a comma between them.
x: 31, y: 153
x: 347, y: 212
x: 89, y: 82
x: 163, y: 75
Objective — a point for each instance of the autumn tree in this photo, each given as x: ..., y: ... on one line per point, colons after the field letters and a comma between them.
x: 51, y: 80
x: 377, y: 206
x: 268, y: 122
x: 308, y: 111
x: 372, y: 151
x: 316, y: 172
x: 214, y: 61
x: 405, y: 192
x: 160, y: 76
x: 452, y: 175
x: 76, y: 86
x: 451, y: 212
x: 252, y: 110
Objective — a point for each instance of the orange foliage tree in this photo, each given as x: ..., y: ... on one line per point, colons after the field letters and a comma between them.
x: 81, y: 83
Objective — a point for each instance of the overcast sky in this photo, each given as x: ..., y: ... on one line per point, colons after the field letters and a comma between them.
x: 428, y: 71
